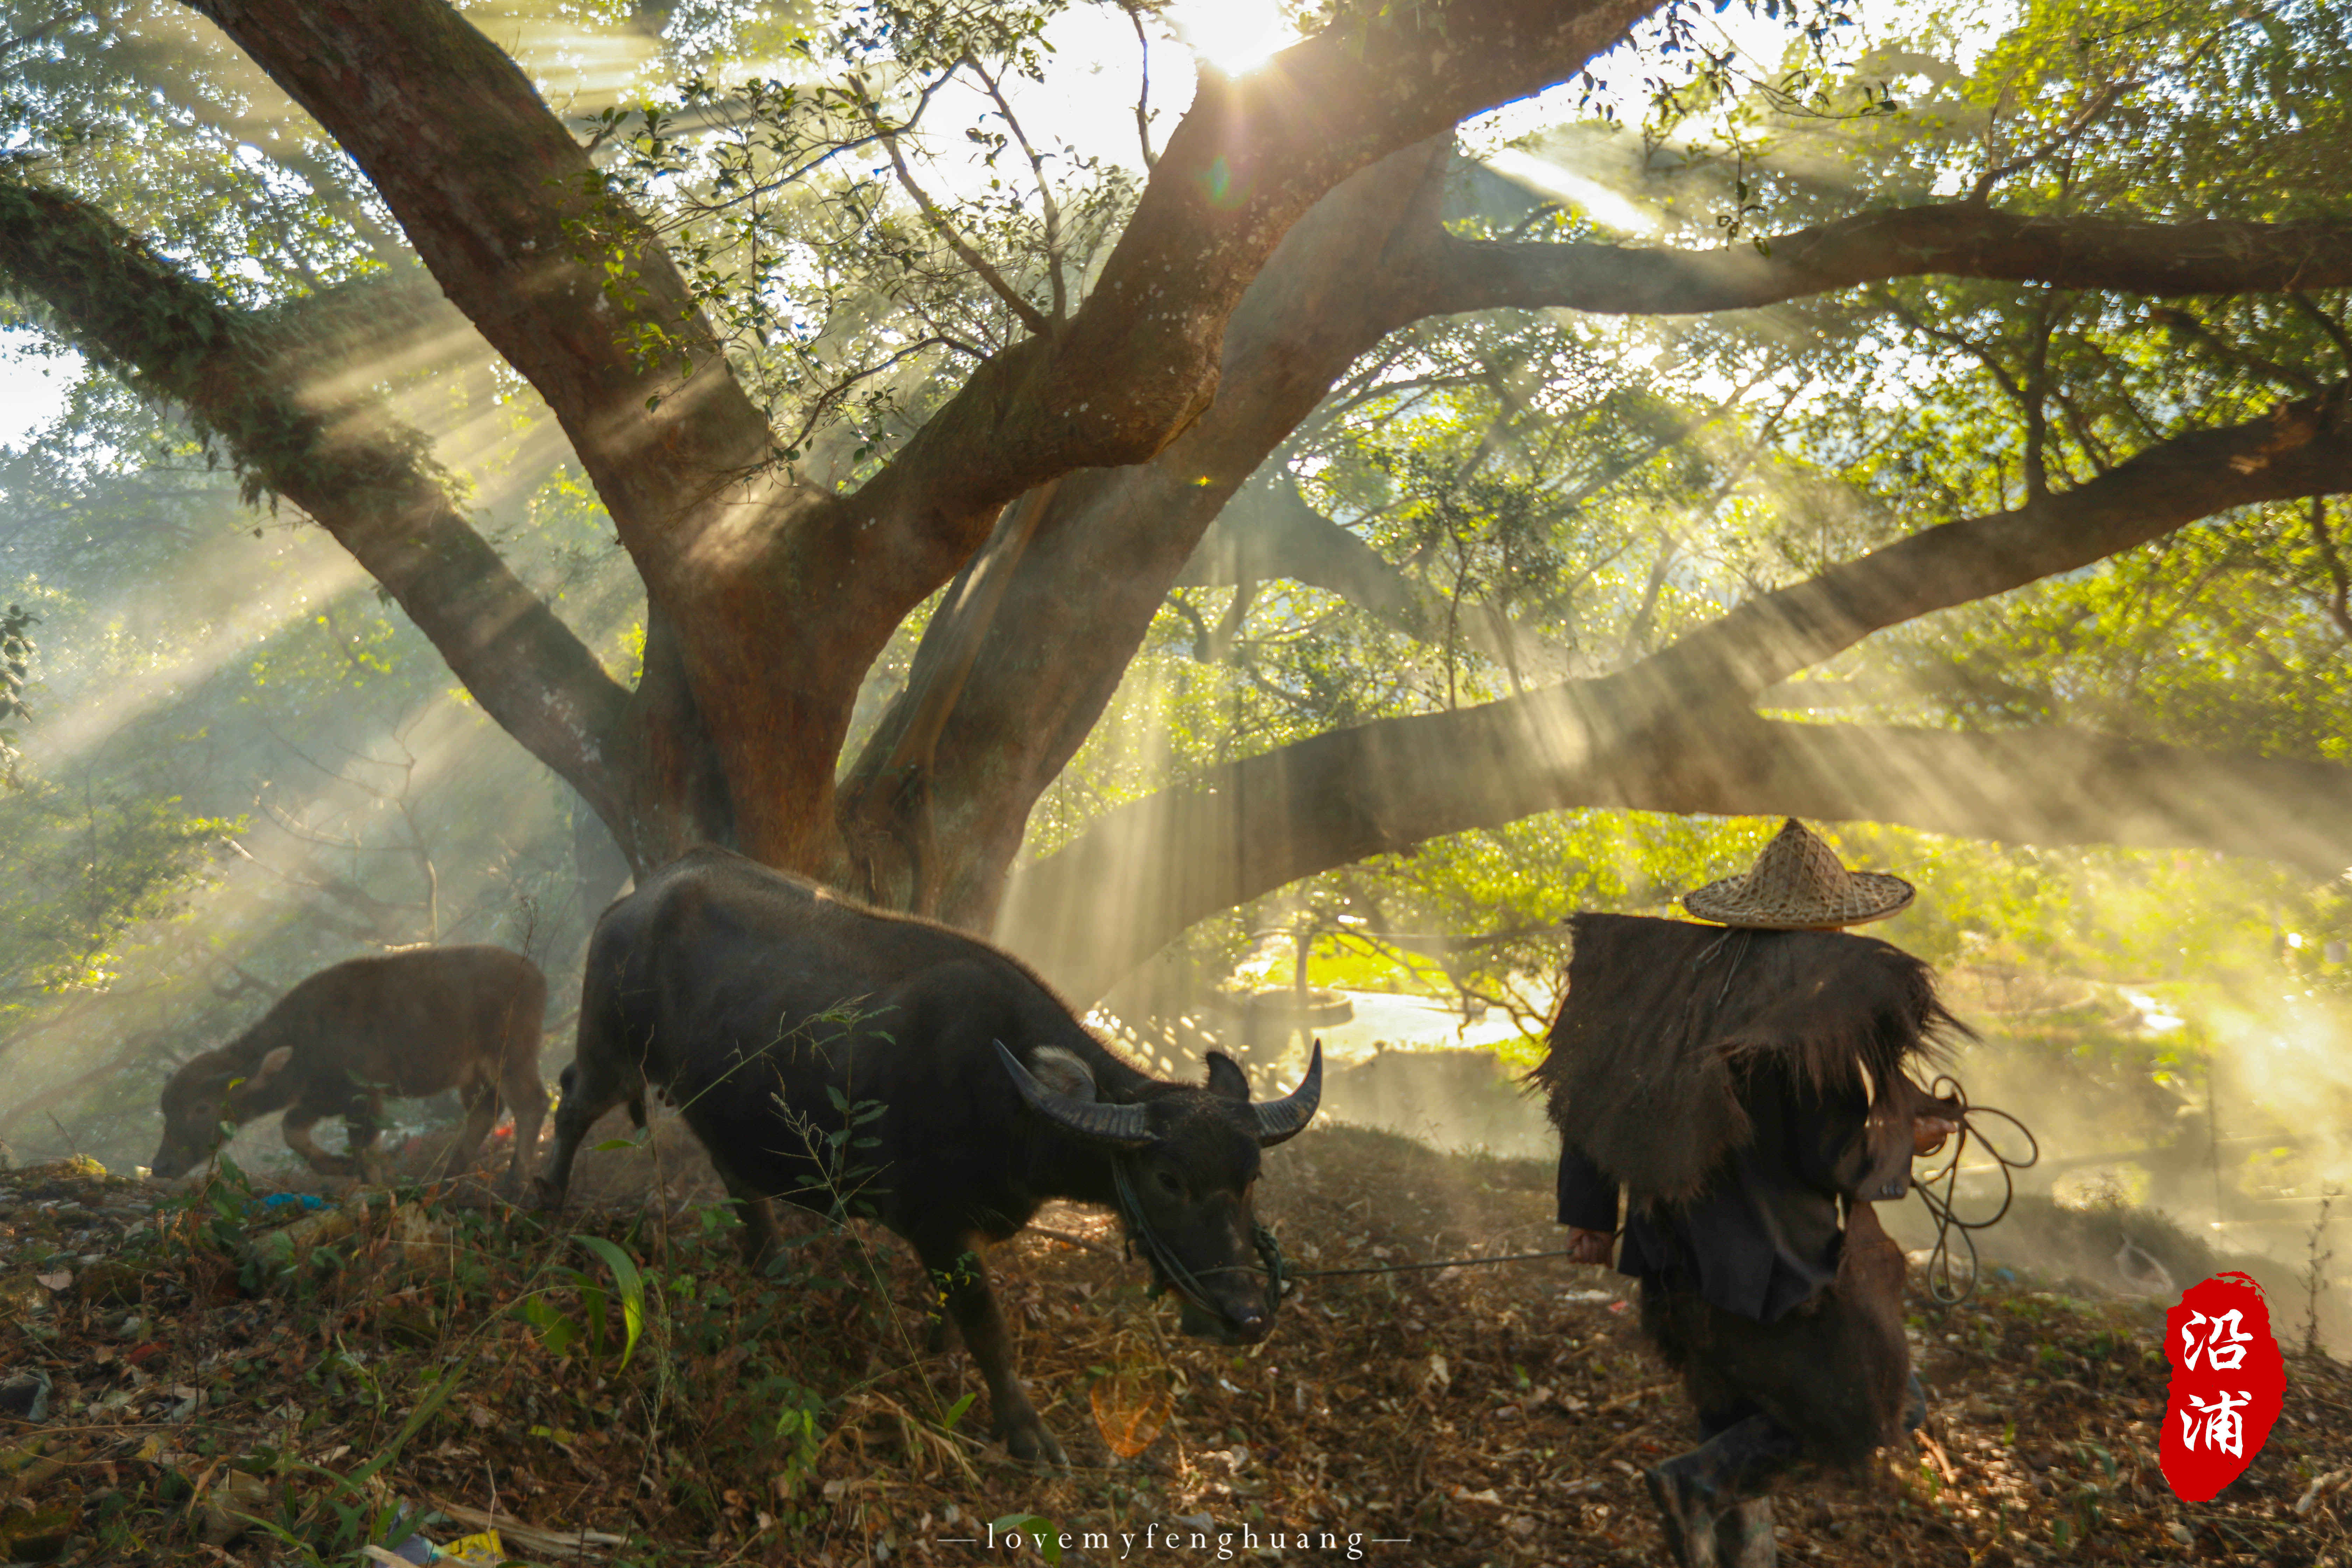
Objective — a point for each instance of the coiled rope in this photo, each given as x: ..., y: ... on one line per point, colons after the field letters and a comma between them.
x: 1942, y: 1208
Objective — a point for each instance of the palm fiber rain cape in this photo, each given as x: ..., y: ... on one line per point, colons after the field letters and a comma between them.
x: 1661, y: 1016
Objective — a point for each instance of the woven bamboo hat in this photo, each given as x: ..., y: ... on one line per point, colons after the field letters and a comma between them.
x: 1797, y: 884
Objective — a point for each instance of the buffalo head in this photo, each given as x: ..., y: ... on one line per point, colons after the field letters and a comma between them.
x: 1184, y: 1163
x: 206, y: 1099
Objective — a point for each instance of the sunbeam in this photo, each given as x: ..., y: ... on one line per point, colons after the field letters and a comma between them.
x: 1234, y: 35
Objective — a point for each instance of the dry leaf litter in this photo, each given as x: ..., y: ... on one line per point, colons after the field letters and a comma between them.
x: 226, y: 1375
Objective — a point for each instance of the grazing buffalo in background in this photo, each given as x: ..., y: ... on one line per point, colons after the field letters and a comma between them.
x: 774, y: 1013
x: 405, y: 1024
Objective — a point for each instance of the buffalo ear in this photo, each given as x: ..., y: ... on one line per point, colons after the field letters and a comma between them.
x: 271, y: 1064
x: 1063, y: 1072
x: 1227, y: 1078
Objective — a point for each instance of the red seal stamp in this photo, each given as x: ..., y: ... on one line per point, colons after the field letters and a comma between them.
x: 2228, y: 1382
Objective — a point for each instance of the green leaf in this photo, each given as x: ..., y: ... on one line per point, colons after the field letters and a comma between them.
x: 632, y: 1290
x: 441, y: 1389
x: 1042, y: 1531
x: 557, y: 1332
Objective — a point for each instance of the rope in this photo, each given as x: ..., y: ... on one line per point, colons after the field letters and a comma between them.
x: 1940, y: 1287
x: 1169, y: 1270
x: 1440, y: 1263
x: 1173, y: 1274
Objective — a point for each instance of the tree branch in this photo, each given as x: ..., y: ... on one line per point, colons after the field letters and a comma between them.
x: 1249, y: 158
x: 1673, y: 732
x: 2338, y: 601
x: 1108, y: 902
x: 1143, y: 89
x: 1960, y: 241
x: 1270, y: 531
x: 2302, y: 448
x: 1029, y: 315
x: 514, y: 223
x: 366, y: 482
x: 2084, y: 119
x: 1050, y: 208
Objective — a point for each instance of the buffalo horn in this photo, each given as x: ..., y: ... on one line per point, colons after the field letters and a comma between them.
x: 1122, y: 1126
x: 1281, y: 1119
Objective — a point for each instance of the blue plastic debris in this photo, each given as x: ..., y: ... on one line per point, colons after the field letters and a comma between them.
x: 304, y: 1201
x: 415, y: 1548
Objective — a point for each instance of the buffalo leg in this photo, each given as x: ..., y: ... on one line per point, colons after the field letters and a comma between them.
x: 481, y: 1100
x: 526, y: 1095
x: 752, y: 1205
x: 588, y: 1093
x: 955, y: 1267
x: 296, y: 1129
x: 1743, y: 1536
x: 362, y: 1125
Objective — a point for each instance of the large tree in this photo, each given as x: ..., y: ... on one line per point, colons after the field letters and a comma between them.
x: 1081, y: 448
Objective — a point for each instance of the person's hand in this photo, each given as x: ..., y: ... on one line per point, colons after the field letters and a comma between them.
x: 1929, y: 1132
x: 1589, y: 1246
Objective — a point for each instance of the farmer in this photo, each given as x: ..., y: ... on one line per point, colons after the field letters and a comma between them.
x: 1743, y: 1083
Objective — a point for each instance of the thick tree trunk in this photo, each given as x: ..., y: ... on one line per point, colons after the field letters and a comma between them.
x: 1089, y: 584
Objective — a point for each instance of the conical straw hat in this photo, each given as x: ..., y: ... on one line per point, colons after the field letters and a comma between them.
x: 1797, y: 884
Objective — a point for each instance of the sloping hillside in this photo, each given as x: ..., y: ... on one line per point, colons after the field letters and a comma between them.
x: 210, y: 1395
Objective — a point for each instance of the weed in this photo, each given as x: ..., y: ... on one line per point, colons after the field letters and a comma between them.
x: 2315, y: 1273
x: 353, y: 1513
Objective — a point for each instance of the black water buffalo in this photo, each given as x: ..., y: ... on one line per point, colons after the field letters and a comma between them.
x: 776, y: 1014
x: 406, y: 1023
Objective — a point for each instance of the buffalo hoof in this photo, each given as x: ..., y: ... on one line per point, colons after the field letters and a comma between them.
x: 1686, y: 1511
x: 1029, y: 1440
x: 542, y: 1196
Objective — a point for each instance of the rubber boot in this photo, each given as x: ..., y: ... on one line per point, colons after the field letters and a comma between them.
x: 1695, y: 1491
x: 1686, y: 1513
x: 1743, y: 1535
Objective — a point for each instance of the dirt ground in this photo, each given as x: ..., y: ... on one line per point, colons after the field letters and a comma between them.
x: 429, y: 1361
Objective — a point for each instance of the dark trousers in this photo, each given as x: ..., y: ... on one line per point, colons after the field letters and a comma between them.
x: 1833, y: 1373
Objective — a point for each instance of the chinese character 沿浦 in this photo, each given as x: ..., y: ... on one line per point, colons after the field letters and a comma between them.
x: 2216, y: 1420
x: 2224, y: 1349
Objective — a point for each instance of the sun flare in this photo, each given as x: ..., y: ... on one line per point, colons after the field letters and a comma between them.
x: 1234, y: 35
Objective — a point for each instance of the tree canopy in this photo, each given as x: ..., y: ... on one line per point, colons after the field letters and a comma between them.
x: 795, y: 430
